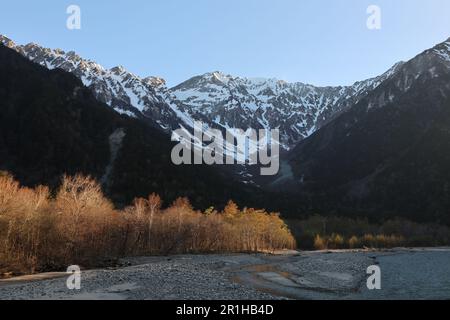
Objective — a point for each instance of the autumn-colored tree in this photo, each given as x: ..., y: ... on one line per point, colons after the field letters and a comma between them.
x: 231, y: 210
x: 336, y: 241
x: 353, y: 242
x: 85, y: 217
x: 80, y: 226
x: 319, y: 243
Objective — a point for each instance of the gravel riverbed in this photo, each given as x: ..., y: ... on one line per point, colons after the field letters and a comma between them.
x: 153, y: 278
x: 406, y: 274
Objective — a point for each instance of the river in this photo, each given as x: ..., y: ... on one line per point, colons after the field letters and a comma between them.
x: 412, y: 275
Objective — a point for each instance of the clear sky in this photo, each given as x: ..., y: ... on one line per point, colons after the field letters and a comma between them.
x: 322, y: 42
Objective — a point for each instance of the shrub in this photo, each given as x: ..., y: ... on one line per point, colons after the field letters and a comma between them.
x: 391, y: 233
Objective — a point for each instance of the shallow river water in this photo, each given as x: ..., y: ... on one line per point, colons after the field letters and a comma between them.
x: 412, y: 275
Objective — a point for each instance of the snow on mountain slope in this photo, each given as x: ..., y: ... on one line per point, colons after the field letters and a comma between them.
x: 443, y: 50
x: 297, y: 109
x: 223, y: 101
x: 432, y: 63
x: 120, y: 89
x: 218, y: 100
x: 388, y: 154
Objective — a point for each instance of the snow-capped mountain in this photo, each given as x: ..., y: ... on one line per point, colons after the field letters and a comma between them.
x: 51, y: 125
x: 297, y: 109
x: 430, y: 64
x: 390, y: 152
x: 122, y: 90
x: 218, y: 100
x: 387, y: 155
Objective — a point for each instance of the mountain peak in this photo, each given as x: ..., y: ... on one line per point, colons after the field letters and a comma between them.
x: 220, y: 76
x: 221, y: 99
x: 7, y: 41
x: 155, y: 81
x: 259, y: 81
x: 118, y: 70
x: 443, y: 50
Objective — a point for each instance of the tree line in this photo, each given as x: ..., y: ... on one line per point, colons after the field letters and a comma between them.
x: 42, y: 230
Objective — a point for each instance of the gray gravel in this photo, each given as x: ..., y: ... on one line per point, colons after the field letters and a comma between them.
x: 406, y: 274
x: 184, y: 278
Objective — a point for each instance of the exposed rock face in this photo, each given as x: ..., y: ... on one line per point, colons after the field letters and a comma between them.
x: 390, y: 151
x: 51, y: 125
x: 219, y: 100
x: 297, y: 109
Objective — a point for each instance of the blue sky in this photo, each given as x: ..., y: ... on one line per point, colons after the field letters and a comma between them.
x: 322, y: 42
